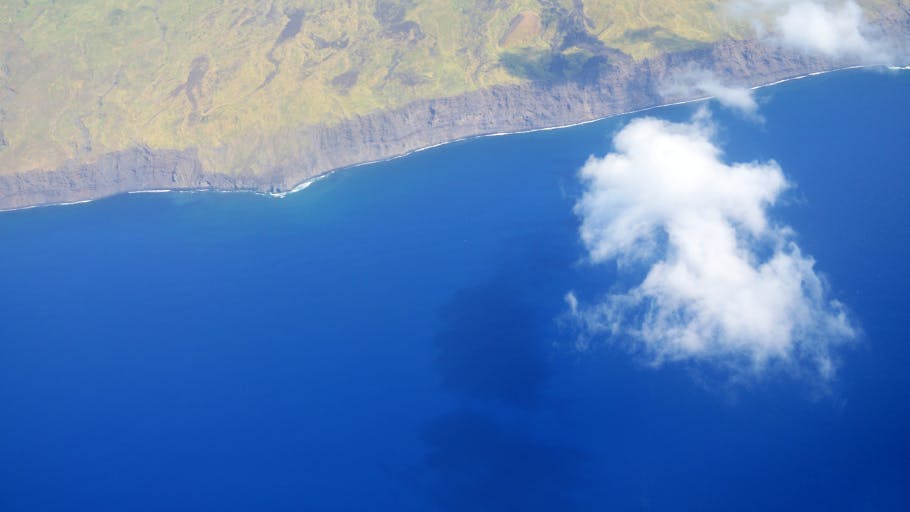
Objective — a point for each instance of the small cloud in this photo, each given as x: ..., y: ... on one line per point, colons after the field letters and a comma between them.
x: 836, y: 30
x: 831, y: 31
x: 694, y: 82
x: 721, y: 281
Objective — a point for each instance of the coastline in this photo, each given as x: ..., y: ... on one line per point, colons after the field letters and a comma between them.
x: 306, y: 184
x: 310, y: 181
x: 630, y: 87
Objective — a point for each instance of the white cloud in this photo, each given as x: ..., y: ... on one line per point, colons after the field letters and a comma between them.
x: 692, y: 82
x: 831, y: 29
x: 722, y: 281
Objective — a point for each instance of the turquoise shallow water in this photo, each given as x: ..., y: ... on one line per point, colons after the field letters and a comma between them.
x: 389, y: 338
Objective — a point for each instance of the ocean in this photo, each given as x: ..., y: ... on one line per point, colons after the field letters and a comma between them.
x: 394, y: 338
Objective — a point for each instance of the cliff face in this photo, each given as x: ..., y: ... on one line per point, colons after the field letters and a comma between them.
x: 623, y: 86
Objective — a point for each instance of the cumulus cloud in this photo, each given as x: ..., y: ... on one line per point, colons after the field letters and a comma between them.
x: 721, y: 281
x: 692, y: 82
x: 831, y: 29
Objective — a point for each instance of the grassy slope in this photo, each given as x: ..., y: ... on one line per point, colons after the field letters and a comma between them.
x: 80, y: 78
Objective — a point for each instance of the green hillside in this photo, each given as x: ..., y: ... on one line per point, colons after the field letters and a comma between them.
x: 80, y: 78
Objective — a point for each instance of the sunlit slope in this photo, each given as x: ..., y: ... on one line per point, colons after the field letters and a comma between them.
x: 81, y: 78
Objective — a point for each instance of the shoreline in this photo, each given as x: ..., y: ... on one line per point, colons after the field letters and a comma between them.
x: 307, y: 183
x: 310, y: 181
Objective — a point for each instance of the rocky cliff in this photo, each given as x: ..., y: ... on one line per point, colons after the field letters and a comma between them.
x: 621, y: 86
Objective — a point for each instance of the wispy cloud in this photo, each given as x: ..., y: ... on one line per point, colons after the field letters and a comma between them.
x: 693, y: 82
x: 814, y: 27
x: 833, y: 29
x: 722, y: 281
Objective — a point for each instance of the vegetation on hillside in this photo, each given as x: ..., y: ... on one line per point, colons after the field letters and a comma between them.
x: 80, y: 78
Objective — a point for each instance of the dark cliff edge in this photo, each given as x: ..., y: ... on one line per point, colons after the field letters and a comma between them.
x: 621, y: 87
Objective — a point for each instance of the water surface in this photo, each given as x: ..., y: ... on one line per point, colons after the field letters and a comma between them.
x: 389, y: 338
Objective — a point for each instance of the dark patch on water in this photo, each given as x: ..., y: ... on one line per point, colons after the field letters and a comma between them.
x: 476, y: 463
x: 490, y: 346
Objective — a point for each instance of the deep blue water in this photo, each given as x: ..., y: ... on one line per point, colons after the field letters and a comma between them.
x: 389, y: 339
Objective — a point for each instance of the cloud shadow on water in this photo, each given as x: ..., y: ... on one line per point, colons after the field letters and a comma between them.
x: 490, y: 346
x: 490, y: 452
x: 476, y: 463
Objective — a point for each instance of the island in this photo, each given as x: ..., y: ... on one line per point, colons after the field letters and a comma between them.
x: 102, y: 97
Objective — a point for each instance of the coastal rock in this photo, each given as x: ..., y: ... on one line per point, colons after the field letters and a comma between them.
x: 622, y: 86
